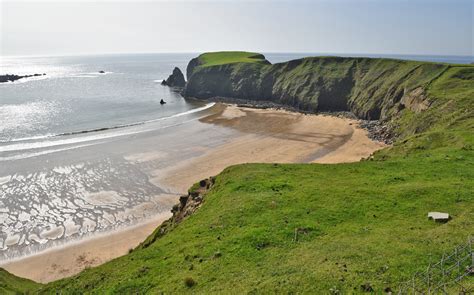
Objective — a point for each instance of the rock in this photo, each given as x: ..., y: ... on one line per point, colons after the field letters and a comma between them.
x: 439, y: 216
x: 101, y: 72
x: 163, y: 82
x: 176, y: 79
x: 416, y: 100
x: 11, y: 78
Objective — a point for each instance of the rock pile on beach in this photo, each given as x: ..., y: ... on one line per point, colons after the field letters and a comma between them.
x: 377, y: 131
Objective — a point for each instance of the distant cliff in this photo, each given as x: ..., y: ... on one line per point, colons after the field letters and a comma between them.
x: 370, y: 88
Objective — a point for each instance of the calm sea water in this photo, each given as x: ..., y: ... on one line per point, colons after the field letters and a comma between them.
x: 75, y: 97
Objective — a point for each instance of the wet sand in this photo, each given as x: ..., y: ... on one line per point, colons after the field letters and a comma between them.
x: 61, y: 262
x: 263, y: 136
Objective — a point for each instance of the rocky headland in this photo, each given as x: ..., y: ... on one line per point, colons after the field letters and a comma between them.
x: 12, y: 78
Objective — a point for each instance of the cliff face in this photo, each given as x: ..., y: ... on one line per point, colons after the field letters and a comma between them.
x: 370, y: 88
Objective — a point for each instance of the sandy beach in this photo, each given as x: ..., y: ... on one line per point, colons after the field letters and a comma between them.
x: 263, y: 136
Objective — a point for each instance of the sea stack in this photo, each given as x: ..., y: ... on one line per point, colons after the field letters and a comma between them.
x: 176, y: 79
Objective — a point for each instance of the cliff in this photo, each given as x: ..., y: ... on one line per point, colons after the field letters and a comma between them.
x: 371, y: 88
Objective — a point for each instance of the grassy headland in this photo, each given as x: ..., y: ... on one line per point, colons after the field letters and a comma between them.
x: 357, y: 224
x: 229, y: 57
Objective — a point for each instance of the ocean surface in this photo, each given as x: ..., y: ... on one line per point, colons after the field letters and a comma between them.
x: 81, y: 152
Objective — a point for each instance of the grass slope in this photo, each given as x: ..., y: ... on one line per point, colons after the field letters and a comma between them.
x: 358, y: 223
x: 229, y: 57
x: 10, y: 284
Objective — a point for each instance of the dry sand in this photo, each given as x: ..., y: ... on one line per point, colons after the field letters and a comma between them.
x: 265, y: 136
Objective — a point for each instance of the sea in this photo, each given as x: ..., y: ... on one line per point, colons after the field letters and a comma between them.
x: 80, y: 149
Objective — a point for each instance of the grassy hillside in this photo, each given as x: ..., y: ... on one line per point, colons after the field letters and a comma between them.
x: 224, y: 57
x: 357, y: 224
x: 363, y: 222
x: 10, y: 284
x: 228, y: 57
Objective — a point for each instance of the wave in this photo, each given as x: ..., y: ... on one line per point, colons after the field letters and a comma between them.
x: 18, y: 146
x: 31, y: 155
x: 29, y: 138
x: 82, y: 76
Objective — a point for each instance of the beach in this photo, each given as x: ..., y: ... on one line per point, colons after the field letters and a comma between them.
x: 186, y: 153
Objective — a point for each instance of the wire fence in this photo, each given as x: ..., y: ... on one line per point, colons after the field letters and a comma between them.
x: 445, y: 276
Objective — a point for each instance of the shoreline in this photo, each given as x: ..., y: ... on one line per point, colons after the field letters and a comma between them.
x: 377, y: 130
x: 264, y: 136
x: 71, y: 258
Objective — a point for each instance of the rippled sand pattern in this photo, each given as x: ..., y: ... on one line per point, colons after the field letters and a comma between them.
x: 70, y: 201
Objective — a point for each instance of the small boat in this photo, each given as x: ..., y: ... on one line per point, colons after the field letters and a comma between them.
x: 162, y: 101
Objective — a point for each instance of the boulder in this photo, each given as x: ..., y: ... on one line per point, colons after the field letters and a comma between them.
x: 176, y: 79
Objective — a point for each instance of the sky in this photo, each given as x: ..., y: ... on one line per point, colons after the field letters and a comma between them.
x: 419, y: 27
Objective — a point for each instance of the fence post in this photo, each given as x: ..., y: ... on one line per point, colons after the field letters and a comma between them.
x: 428, y: 274
x: 470, y: 251
x: 443, y: 274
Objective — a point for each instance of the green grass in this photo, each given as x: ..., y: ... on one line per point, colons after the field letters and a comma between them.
x: 229, y: 57
x: 359, y: 223
x: 10, y: 284
x: 368, y: 216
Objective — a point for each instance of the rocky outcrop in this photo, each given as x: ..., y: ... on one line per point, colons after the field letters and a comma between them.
x: 176, y: 79
x: 371, y: 88
x: 188, y: 204
x: 416, y: 100
x: 12, y: 78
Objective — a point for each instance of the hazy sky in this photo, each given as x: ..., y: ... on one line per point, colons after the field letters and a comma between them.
x: 432, y: 27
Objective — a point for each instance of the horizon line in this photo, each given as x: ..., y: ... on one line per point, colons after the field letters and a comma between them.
x: 354, y: 54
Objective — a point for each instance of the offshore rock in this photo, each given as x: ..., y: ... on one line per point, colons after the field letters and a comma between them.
x: 176, y: 79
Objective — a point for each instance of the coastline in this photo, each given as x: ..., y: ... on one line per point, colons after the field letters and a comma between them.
x: 64, y: 261
x: 265, y: 136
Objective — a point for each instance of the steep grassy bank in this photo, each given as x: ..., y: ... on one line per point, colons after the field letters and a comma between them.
x: 10, y: 284
x: 356, y: 224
